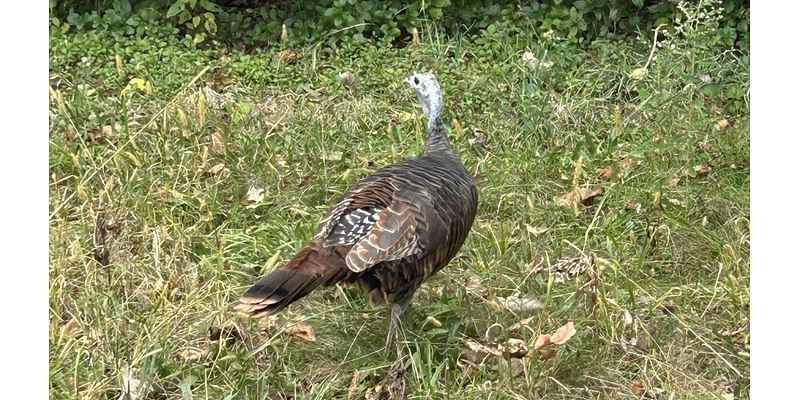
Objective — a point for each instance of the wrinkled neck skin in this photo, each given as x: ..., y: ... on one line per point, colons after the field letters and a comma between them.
x: 435, y: 135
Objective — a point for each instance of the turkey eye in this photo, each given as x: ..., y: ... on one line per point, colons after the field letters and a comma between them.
x: 416, y: 80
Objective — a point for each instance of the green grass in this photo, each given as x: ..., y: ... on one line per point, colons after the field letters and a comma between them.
x: 182, y: 248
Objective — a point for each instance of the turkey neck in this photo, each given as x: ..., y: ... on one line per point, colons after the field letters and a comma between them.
x: 436, y: 136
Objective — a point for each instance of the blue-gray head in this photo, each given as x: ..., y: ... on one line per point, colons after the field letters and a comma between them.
x: 428, y: 93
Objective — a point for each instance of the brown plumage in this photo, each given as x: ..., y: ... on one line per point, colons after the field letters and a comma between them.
x: 388, y: 233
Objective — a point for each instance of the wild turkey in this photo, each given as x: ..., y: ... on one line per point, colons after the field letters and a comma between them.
x: 388, y: 233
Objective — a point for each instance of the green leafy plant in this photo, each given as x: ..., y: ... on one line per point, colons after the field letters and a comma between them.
x: 336, y: 22
x: 197, y: 16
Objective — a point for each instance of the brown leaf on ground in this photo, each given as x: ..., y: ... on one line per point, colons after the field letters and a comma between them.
x: 218, y: 143
x: 535, y: 230
x: 702, y: 170
x: 547, y: 353
x: 669, y: 308
x: 563, y: 334
x: 192, y: 354
x: 632, y: 205
x: 626, y: 163
x: 541, y: 341
x: 608, y: 172
x: 252, y: 198
x: 215, y: 170
x: 303, y: 331
x: 520, y: 324
x: 579, y: 198
x: 515, y: 348
x: 588, y: 195
x: 229, y: 332
x: 674, y: 181
x: 637, y: 388
x: 351, y: 390
x: 287, y: 56
x: 103, y: 134
x: 71, y: 328
x: 479, y: 348
x: 722, y: 124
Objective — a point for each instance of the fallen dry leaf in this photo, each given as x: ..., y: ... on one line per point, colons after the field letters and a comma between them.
x: 280, y: 160
x: 632, y: 205
x: 333, y: 156
x: 218, y: 143
x: 349, y: 80
x: 415, y: 36
x: 588, y: 195
x: 432, y: 321
x: 478, y: 137
x: 479, y: 348
x: 520, y: 324
x: 132, y: 386
x: 268, y: 322
x: 103, y: 134
x: 287, y: 56
x: 638, y: 73
x: 229, y: 331
x: 669, y: 308
x: 71, y: 328
x: 535, y: 230
x: 637, y: 387
x: 723, y: 124
x: 580, y: 197
x: 674, y: 181
x: 252, y: 198
x: 608, y: 172
x: 191, y: 354
x: 626, y: 163
x: 515, y: 348
x: 303, y: 331
x: 627, y: 318
x: 541, y: 341
x: 563, y: 334
x: 702, y: 170
x: 520, y: 303
x: 351, y: 390
x: 534, y: 63
x: 215, y: 170
x: 547, y: 353
x: 474, y: 284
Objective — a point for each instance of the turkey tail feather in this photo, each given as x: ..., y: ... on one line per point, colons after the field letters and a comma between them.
x: 311, y: 267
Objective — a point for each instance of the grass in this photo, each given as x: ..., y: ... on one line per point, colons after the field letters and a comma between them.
x: 666, y: 317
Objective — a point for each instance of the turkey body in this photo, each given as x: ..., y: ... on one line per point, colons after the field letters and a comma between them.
x: 434, y: 191
x: 388, y: 233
